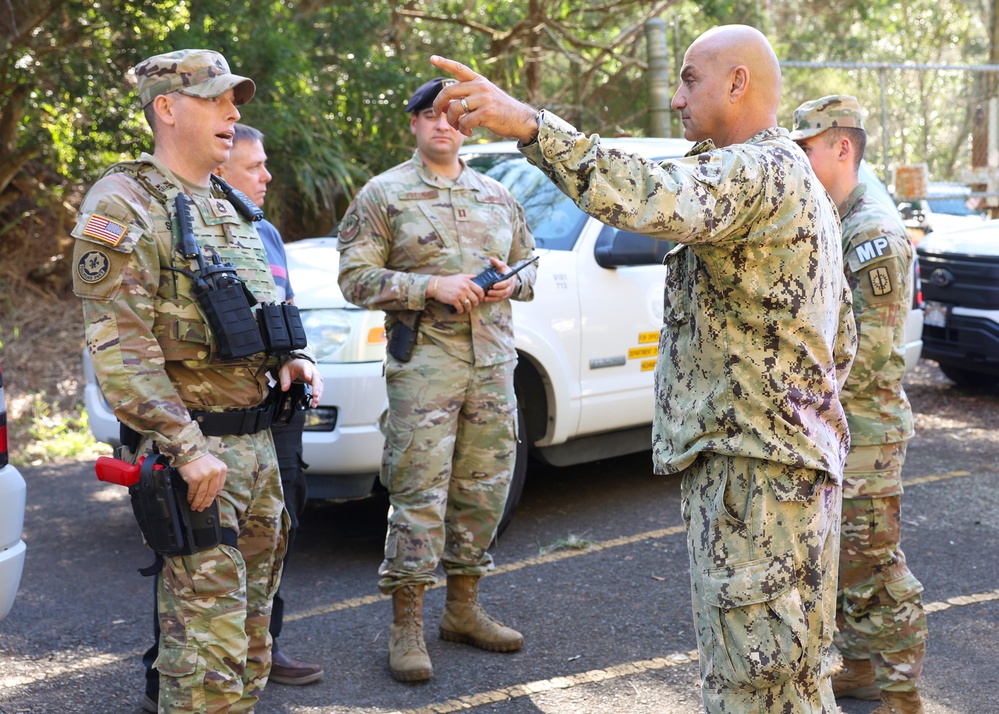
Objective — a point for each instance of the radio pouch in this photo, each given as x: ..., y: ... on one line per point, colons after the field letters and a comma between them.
x: 167, y: 522
x: 231, y: 319
x: 402, y: 341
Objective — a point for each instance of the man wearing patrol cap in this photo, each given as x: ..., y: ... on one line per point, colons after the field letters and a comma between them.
x: 410, y: 244
x: 880, y: 621
x: 157, y: 360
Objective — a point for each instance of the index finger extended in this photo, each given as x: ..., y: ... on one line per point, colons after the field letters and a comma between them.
x: 456, y: 70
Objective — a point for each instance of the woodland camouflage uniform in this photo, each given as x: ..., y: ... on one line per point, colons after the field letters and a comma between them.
x: 758, y: 335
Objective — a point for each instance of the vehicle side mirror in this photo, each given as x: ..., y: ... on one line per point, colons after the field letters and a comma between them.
x: 615, y: 249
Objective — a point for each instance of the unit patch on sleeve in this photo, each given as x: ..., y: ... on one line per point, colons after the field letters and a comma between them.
x: 105, y: 229
x: 93, y: 266
x: 880, y: 281
x: 349, y: 228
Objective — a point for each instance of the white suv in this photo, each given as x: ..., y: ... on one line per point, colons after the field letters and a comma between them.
x: 12, y: 499
x: 586, y: 344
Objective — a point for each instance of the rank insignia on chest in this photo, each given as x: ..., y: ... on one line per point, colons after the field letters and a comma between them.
x: 105, y: 229
x: 880, y: 281
x: 220, y: 208
x: 93, y: 266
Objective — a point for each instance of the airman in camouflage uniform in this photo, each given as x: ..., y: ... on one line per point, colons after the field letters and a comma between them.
x: 157, y: 362
x: 880, y: 621
x: 757, y: 339
x: 410, y: 243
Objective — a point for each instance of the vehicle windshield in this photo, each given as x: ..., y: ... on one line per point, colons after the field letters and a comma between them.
x: 554, y: 220
x: 951, y: 206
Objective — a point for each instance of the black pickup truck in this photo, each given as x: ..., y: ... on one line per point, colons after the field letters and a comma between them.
x: 960, y: 277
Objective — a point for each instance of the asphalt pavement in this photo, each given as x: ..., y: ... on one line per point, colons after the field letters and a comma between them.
x: 593, y: 571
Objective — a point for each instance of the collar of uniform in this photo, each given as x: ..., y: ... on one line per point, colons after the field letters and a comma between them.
x: 702, y: 147
x: 851, y: 201
x: 191, y: 188
x: 433, y: 178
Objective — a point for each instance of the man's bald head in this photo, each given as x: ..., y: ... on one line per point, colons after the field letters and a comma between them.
x: 730, y: 85
x: 745, y: 45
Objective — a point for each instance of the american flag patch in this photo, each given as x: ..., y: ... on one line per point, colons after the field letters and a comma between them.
x: 105, y: 229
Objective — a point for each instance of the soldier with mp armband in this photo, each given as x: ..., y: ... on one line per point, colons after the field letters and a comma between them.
x: 189, y: 346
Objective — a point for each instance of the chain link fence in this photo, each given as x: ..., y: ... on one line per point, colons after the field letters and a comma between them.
x: 942, y: 115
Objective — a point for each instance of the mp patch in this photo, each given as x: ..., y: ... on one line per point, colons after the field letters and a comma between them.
x: 105, y: 229
x: 93, y: 266
x: 872, y: 250
x: 880, y: 281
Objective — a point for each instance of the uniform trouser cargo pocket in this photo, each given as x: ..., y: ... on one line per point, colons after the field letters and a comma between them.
x: 757, y: 622
x: 185, y: 672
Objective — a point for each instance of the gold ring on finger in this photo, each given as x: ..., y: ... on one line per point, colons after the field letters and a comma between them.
x: 464, y: 105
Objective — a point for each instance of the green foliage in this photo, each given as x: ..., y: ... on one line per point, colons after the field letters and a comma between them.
x: 333, y: 75
x: 42, y: 435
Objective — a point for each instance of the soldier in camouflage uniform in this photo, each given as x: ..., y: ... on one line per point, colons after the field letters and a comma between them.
x: 157, y: 362
x: 880, y: 621
x: 410, y: 244
x: 757, y: 339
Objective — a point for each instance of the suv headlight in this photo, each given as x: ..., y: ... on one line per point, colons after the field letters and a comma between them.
x: 345, y: 335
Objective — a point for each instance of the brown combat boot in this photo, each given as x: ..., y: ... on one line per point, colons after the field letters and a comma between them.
x: 465, y: 621
x: 408, y: 658
x: 855, y: 679
x: 900, y: 703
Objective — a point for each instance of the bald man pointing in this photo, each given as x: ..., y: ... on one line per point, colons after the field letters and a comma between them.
x: 758, y: 335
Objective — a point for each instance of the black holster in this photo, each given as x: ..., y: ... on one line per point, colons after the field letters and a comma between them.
x: 402, y: 341
x: 167, y: 522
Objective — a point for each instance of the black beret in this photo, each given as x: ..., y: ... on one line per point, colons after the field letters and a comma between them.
x: 424, y: 96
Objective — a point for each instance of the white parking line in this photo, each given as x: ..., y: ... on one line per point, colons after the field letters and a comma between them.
x: 73, y: 664
x: 565, y: 682
x: 566, y: 554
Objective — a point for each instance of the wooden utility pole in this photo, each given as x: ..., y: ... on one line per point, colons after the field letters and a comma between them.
x: 984, y: 172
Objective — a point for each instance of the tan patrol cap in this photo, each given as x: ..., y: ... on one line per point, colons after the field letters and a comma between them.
x: 197, y: 73
x: 837, y: 110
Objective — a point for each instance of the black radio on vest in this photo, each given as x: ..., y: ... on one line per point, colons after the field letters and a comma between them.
x: 225, y: 299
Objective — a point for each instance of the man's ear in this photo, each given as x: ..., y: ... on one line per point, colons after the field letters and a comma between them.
x: 740, y: 83
x: 844, y: 148
x: 163, y: 106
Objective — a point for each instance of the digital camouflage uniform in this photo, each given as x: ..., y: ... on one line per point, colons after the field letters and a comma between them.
x: 155, y: 359
x: 450, y: 429
x: 880, y: 609
x: 758, y: 335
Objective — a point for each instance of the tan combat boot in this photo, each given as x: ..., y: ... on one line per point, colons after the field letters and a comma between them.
x: 899, y: 703
x: 408, y: 658
x: 465, y: 621
x: 855, y: 679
